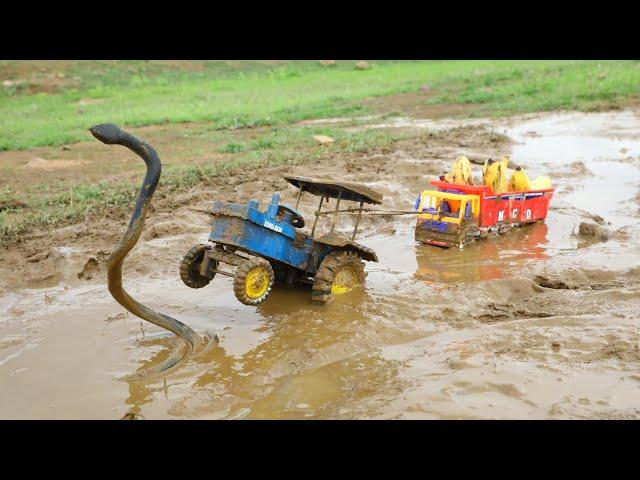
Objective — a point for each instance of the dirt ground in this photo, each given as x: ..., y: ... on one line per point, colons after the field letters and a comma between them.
x: 537, y: 323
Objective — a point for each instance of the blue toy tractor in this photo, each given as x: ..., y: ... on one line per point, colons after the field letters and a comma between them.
x: 269, y: 247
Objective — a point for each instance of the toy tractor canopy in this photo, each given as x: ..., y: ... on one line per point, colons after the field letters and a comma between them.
x: 356, y: 192
x: 326, y: 189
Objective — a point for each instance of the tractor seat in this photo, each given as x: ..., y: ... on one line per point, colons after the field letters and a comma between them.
x: 290, y: 215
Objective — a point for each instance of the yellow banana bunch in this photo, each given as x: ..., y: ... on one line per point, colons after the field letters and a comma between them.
x: 541, y: 183
x: 485, y: 169
x: 460, y: 172
x: 519, y: 181
x: 495, y: 176
x: 505, y: 163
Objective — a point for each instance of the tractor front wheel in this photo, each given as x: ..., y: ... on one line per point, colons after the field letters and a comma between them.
x: 190, y: 268
x: 339, y: 272
x: 253, y: 281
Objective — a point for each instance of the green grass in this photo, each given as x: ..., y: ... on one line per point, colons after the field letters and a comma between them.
x: 60, y: 204
x: 255, y: 93
x: 231, y: 148
x: 547, y: 86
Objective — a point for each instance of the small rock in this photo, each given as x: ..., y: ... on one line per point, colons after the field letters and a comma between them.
x: 327, y: 63
x: 362, y: 65
x: 547, y: 282
x: 7, y: 84
x: 38, y: 257
x: 89, y: 269
x: 66, y: 147
x: 323, y: 139
x: 591, y: 230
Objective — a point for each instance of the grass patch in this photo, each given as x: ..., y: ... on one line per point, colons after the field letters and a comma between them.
x: 232, y: 148
x: 248, y: 94
x: 529, y: 87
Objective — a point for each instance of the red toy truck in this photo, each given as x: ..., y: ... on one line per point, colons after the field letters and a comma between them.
x: 454, y: 214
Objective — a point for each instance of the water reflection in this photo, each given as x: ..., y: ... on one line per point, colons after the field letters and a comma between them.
x: 141, y: 392
x: 308, y: 361
x: 486, y: 259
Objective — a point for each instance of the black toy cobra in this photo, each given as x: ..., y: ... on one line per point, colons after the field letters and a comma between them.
x: 111, y: 134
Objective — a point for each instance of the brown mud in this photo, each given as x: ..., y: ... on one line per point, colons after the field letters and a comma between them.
x: 415, y: 104
x: 94, y: 162
x: 537, y: 323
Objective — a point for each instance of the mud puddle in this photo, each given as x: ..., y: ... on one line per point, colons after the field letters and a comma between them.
x: 435, y: 333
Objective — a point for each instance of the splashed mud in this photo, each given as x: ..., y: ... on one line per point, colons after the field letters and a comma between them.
x: 537, y: 323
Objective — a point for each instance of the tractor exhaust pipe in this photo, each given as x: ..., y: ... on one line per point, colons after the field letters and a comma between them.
x: 110, y: 135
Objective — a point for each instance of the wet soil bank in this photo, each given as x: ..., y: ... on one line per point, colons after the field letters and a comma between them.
x: 538, y: 323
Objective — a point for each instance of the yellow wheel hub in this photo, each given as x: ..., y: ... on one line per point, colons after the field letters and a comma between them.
x: 257, y: 282
x: 344, y: 280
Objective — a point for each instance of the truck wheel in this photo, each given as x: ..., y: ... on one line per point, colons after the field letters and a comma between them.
x: 190, y: 267
x: 253, y: 281
x: 339, y: 272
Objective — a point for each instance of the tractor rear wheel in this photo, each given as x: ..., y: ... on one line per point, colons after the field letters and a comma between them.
x: 190, y: 267
x: 339, y: 272
x: 253, y: 281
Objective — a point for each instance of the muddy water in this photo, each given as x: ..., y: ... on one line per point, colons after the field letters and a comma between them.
x: 435, y: 333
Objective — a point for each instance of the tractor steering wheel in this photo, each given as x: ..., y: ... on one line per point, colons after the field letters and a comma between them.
x: 296, y: 219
